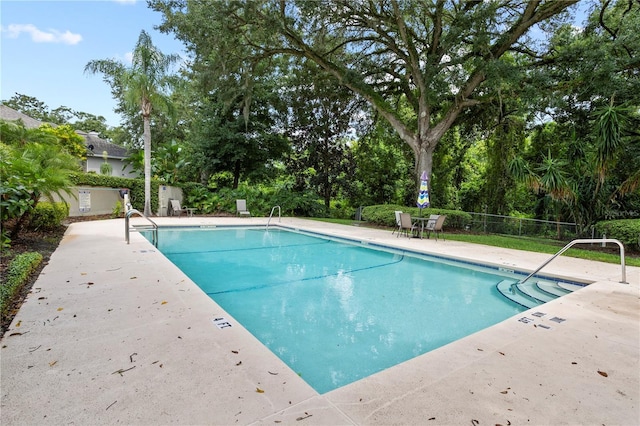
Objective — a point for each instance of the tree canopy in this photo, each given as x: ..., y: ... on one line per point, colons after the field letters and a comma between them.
x: 513, y: 107
x: 438, y: 58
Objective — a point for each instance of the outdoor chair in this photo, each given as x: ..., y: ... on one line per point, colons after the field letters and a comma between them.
x: 431, y: 222
x: 397, y: 228
x: 406, y: 227
x: 435, y: 225
x: 177, y: 209
x: 241, y: 208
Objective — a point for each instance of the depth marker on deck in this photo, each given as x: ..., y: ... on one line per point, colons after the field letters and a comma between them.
x: 221, y: 322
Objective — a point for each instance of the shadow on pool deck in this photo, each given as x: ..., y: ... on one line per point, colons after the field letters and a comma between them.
x: 114, y: 333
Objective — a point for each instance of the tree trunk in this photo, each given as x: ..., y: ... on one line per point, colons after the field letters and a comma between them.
x: 423, y: 152
x: 236, y: 175
x: 327, y: 193
x: 147, y: 164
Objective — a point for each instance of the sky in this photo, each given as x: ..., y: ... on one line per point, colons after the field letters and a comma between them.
x: 45, y: 45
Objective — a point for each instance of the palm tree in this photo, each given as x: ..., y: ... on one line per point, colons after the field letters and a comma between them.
x: 34, y: 166
x: 141, y: 85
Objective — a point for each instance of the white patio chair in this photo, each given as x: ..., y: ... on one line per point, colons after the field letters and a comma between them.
x: 397, y: 228
x: 241, y: 208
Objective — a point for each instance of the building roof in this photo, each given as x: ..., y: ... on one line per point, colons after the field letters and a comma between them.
x: 10, y: 114
x: 95, y: 145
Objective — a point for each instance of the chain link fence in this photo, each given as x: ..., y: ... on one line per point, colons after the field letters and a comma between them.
x: 509, y: 225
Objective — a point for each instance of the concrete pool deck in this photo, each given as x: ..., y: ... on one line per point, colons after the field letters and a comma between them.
x: 115, y: 333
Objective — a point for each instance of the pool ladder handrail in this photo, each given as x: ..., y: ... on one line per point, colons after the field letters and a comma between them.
x: 572, y: 243
x: 271, y: 215
x: 154, y: 232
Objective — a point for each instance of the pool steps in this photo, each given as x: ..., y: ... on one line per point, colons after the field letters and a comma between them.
x: 532, y: 294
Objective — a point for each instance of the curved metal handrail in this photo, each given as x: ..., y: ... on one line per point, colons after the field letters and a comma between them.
x: 154, y: 234
x: 584, y: 241
x: 279, y: 215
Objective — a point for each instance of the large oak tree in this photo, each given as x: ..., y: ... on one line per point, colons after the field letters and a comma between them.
x: 439, y: 57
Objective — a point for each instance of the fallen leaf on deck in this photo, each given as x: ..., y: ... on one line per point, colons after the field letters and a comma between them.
x: 59, y: 309
x: 133, y: 278
x: 164, y: 302
x: 239, y: 362
x: 306, y: 416
x: 259, y: 390
x: 123, y: 370
x: 235, y: 352
x: 602, y: 373
x: 274, y: 374
x: 18, y: 323
x: 52, y: 363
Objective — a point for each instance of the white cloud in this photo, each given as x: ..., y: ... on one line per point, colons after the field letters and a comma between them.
x: 39, y: 36
x: 128, y: 57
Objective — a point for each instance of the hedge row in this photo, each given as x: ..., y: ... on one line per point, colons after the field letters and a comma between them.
x: 17, y: 274
x: 627, y: 231
x: 135, y: 186
x: 385, y: 215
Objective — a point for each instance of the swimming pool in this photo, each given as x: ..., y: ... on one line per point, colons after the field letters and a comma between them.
x: 336, y: 311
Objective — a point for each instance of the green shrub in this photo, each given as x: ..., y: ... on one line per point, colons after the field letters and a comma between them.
x: 17, y: 274
x: 384, y: 215
x: 340, y: 210
x: 117, y: 210
x: 48, y: 216
x: 627, y: 231
x: 260, y: 200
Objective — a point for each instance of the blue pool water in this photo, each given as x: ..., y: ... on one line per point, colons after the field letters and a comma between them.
x: 336, y: 312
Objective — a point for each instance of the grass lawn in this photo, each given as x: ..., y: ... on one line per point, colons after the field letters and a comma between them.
x: 538, y: 245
